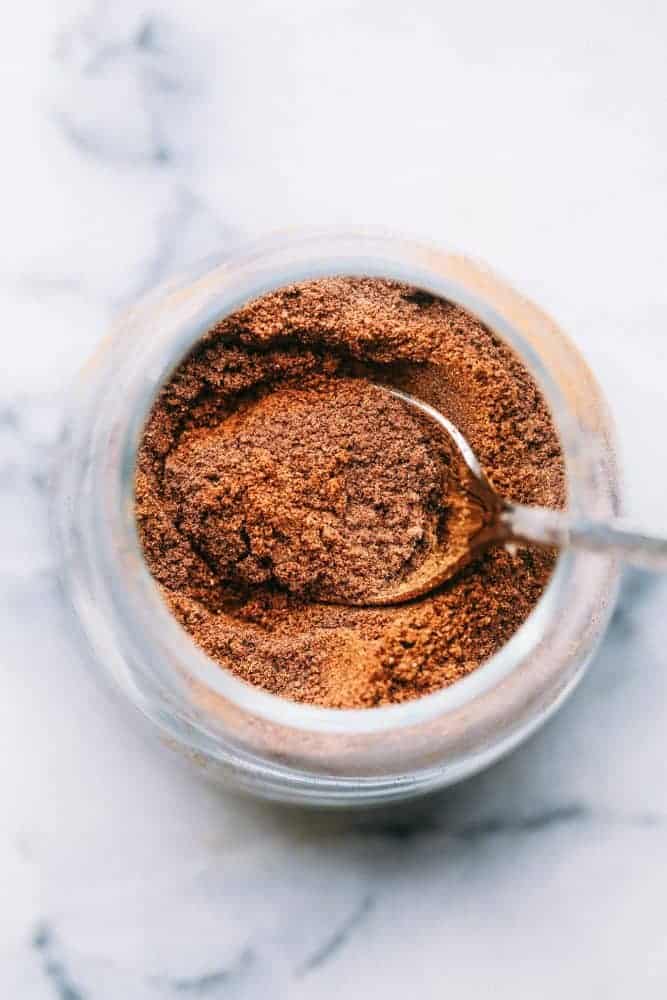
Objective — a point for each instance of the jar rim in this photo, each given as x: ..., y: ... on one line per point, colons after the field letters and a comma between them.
x: 254, y: 270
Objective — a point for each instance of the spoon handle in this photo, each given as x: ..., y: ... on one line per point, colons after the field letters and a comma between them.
x: 616, y: 536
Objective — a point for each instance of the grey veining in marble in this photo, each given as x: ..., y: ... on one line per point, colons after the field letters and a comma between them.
x: 140, y: 137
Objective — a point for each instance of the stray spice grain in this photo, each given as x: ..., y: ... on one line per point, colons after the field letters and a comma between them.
x: 273, y: 477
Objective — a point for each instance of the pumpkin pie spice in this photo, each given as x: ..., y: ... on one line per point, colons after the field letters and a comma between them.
x: 275, y: 477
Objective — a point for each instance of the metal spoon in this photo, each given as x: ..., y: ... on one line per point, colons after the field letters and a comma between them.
x: 483, y: 518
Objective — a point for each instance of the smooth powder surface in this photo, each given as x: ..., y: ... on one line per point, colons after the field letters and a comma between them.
x: 275, y: 476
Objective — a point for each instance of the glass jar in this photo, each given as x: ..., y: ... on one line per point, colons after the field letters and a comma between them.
x: 257, y: 741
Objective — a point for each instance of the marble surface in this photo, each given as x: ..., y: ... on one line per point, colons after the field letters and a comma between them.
x: 140, y: 136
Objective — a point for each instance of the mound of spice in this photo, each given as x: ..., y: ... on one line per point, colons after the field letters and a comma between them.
x: 275, y: 477
x: 327, y: 491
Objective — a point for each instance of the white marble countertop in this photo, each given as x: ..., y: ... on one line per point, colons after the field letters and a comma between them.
x: 139, y: 136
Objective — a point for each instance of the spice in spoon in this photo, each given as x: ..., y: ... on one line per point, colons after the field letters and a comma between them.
x: 330, y: 491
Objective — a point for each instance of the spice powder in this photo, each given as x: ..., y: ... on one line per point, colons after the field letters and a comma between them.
x: 274, y: 477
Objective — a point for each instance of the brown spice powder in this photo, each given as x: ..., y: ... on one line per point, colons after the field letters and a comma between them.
x: 273, y: 477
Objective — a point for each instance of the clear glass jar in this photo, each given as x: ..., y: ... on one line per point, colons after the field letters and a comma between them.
x: 264, y: 744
